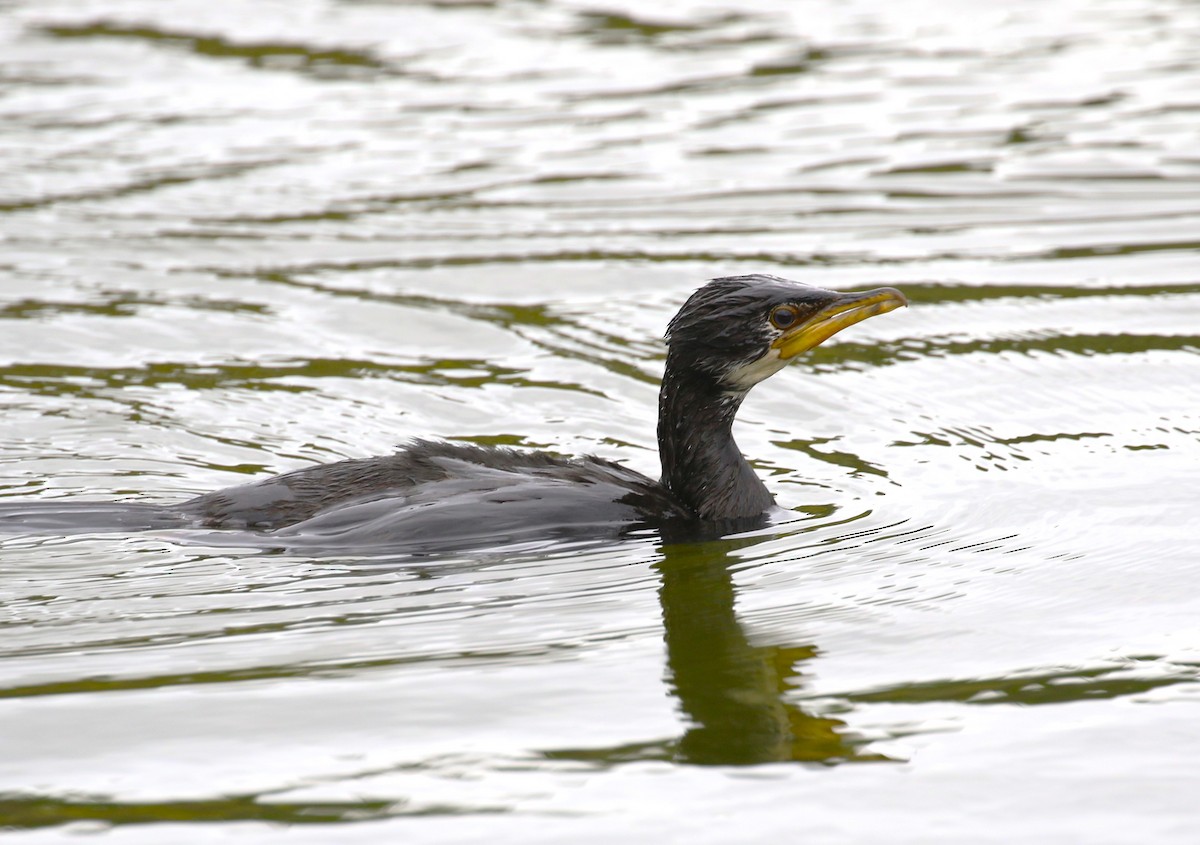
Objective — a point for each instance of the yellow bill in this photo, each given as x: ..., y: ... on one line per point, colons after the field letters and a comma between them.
x: 848, y: 309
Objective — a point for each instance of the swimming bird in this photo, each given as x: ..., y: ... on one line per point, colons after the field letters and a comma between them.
x: 730, y: 334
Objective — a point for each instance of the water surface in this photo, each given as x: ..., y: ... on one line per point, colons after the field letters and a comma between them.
x: 243, y: 238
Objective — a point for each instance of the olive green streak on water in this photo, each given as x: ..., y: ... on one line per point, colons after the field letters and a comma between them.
x: 349, y: 210
x: 274, y: 56
x: 147, y: 184
x: 852, y: 354
x: 330, y: 669
x: 935, y: 292
x: 817, y: 448
x: 19, y: 812
x: 616, y: 28
x: 1042, y: 688
x: 92, y: 382
x: 123, y: 303
x: 504, y: 315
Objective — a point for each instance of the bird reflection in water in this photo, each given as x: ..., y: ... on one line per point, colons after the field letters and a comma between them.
x: 735, y: 694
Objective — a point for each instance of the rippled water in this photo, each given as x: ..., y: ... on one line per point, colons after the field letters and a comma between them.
x: 240, y: 238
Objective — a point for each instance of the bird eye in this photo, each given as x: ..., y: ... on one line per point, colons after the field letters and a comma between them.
x: 783, y: 317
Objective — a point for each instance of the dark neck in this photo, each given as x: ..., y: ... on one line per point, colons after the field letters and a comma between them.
x: 701, y: 463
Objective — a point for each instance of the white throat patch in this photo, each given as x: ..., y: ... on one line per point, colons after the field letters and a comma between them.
x: 746, y: 376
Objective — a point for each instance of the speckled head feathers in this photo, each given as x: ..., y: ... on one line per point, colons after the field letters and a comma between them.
x: 724, y: 327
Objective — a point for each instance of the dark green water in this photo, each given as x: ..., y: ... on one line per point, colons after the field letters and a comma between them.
x: 241, y: 238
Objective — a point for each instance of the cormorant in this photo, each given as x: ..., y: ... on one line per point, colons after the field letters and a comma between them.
x: 729, y: 335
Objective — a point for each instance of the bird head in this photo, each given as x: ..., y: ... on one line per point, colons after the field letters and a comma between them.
x: 740, y: 330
